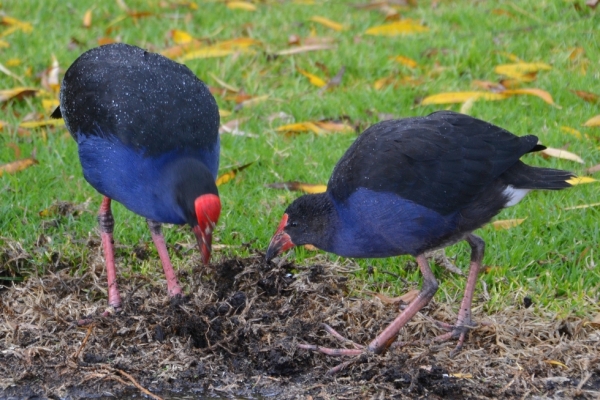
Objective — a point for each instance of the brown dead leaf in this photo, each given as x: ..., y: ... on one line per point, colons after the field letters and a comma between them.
x: 229, y: 175
x: 596, y: 320
x: 594, y: 121
x: 105, y: 40
x: 499, y: 11
x: 18, y: 165
x: 563, y: 154
x: 587, y: 96
x: 594, y: 169
x: 406, y: 298
x: 402, y: 27
x: 298, y: 186
x: 305, y: 48
x: 335, y: 80
x: 251, y: 102
x: 507, y: 223
x: 487, y: 85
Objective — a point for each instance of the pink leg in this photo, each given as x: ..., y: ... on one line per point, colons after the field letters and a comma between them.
x: 389, y: 334
x: 107, y: 223
x: 464, y: 321
x: 173, y: 287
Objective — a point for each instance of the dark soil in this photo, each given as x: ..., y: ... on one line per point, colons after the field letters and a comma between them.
x: 235, y: 334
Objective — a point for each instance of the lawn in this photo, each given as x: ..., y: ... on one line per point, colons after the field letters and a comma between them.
x: 552, y: 256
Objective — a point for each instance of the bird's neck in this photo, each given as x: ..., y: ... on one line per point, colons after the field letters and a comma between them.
x: 185, y: 179
x: 326, y: 220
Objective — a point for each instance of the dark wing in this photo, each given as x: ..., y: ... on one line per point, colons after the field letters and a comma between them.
x: 124, y: 91
x: 441, y: 161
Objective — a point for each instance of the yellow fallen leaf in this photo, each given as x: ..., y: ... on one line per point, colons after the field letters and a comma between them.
x: 332, y: 126
x: 13, y: 62
x: 581, y: 180
x: 328, y: 23
x: 582, y: 206
x: 14, y: 25
x: 466, y: 107
x: 576, y: 53
x: 4, y: 44
x: 402, y: 27
x: 87, y: 18
x: 224, y: 113
x: 221, y: 49
x: 299, y: 127
x: 555, y: 362
x: 571, y: 131
x: 181, y: 37
x: 507, y: 223
x: 207, y: 52
x: 542, y: 94
x: 241, y: 5
x: 41, y: 124
x: 459, y: 375
x: 17, y: 165
x: 17, y: 93
x: 406, y: 61
x: 299, y: 186
x: 229, y: 175
x: 595, y: 121
x: 460, y: 97
x: 518, y: 70
x: 559, y: 153
x: 315, y: 80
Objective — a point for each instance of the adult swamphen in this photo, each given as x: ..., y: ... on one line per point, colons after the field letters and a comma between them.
x: 147, y: 132
x: 412, y: 185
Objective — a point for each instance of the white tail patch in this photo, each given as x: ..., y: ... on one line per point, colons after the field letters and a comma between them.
x: 514, y: 195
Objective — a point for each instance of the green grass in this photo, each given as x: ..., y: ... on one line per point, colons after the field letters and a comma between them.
x: 552, y: 257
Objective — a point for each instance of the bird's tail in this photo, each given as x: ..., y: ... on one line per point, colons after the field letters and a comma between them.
x: 524, y: 176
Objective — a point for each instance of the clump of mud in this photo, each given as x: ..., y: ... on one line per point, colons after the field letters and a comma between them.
x: 235, y: 333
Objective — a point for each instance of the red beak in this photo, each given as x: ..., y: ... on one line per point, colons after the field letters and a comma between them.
x: 204, y: 239
x: 281, y: 241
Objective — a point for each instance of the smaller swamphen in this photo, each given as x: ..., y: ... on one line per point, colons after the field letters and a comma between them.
x: 412, y: 185
x: 147, y: 132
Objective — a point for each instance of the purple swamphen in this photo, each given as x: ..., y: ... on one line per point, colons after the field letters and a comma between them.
x: 412, y: 185
x: 147, y: 132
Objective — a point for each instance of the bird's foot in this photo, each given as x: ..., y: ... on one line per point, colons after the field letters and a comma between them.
x: 110, y: 311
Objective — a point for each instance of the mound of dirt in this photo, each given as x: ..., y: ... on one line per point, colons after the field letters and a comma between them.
x: 236, y: 331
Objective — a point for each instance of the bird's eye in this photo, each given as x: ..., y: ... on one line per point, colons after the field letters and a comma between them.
x: 293, y: 224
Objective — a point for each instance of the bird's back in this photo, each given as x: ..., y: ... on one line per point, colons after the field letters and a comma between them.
x: 149, y: 103
x: 441, y: 161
